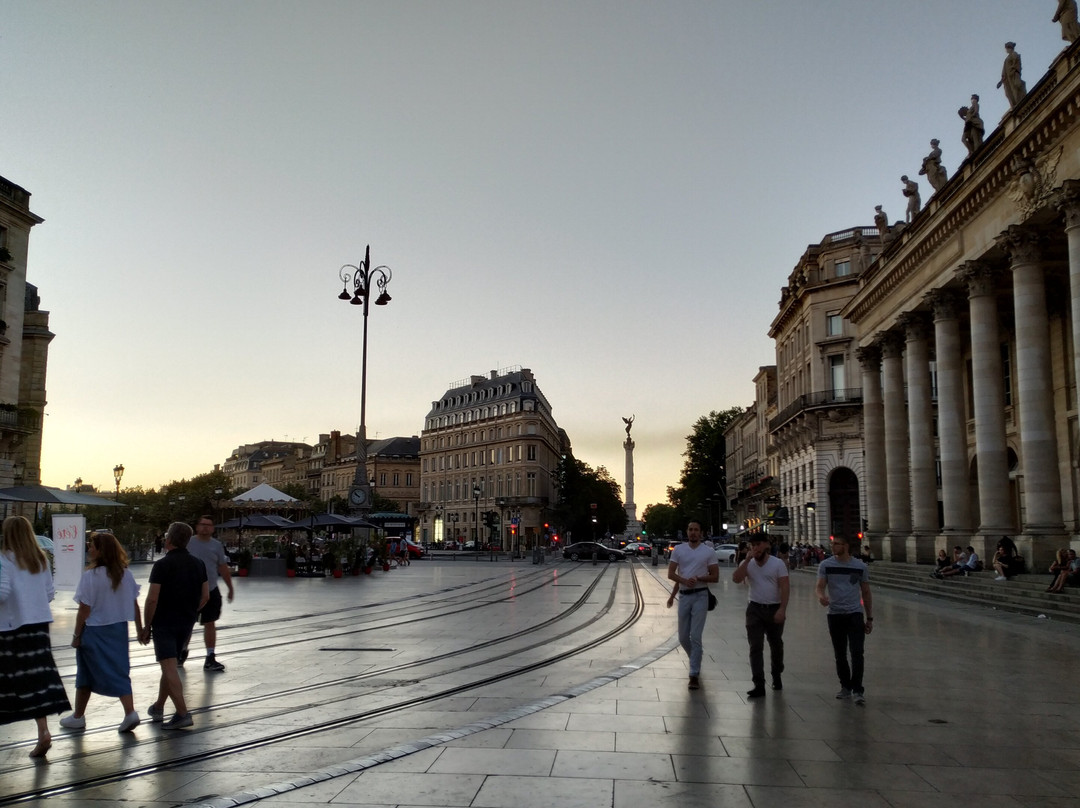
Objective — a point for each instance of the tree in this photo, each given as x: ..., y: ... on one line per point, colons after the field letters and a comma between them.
x: 702, y: 488
x: 580, y: 487
x: 661, y: 519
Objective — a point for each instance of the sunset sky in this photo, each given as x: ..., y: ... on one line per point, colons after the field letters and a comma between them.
x: 608, y: 193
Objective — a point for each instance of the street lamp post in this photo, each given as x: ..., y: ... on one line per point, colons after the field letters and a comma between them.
x: 364, y: 279
x: 117, y: 473
x: 476, y: 516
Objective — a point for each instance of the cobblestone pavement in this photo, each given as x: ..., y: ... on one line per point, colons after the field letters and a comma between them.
x: 963, y: 705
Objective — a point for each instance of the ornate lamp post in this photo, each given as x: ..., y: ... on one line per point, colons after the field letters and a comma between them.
x: 476, y: 527
x: 453, y: 519
x: 118, y: 473
x: 364, y: 279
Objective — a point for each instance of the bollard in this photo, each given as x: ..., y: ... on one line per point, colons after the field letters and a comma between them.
x: 655, y: 558
x: 594, y: 558
x: 542, y: 555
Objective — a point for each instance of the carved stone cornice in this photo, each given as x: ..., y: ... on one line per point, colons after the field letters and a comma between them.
x: 916, y: 326
x: 891, y: 344
x: 945, y: 303
x: 1022, y: 244
x: 1067, y: 200
x: 980, y: 277
x: 869, y: 358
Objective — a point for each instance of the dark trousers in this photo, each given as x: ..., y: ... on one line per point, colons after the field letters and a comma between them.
x: 761, y: 625
x: 848, y: 631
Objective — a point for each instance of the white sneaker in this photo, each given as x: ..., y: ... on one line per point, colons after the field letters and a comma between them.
x: 131, y: 720
x: 71, y: 722
x: 844, y: 694
x: 860, y: 699
x: 1001, y: 578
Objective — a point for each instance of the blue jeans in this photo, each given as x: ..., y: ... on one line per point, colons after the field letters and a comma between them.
x: 692, y: 611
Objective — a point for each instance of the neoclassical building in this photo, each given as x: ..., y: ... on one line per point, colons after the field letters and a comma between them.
x: 817, y: 431
x: 490, y: 443
x: 968, y: 332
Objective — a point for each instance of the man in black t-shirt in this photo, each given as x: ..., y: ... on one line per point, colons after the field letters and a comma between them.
x: 178, y: 590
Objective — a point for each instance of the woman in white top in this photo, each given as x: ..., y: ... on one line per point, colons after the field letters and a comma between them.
x: 108, y: 598
x: 30, y: 685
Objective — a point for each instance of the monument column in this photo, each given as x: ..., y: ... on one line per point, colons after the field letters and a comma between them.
x: 952, y: 425
x: 633, y: 527
x: 988, y: 392
x: 1068, y: 202
x: 924, y: 509
x: 896, y: 447
x: 877, y: 503
x: 1043, y: 523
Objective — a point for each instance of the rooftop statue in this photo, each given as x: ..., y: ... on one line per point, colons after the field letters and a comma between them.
x: 911, y: 191
x: 1015, y: 89
x: 973, y: 126
x: 629, y: 423
x: 881, y: 221
x: 1066, y: 15
x: 932, y: 168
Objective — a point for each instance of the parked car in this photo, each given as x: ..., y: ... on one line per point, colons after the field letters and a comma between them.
x: 415, y: 550
x: 726, y: 552
x: 584, y: 550
x: 638, y: 548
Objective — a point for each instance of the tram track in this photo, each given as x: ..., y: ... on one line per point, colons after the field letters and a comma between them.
x: 412, y: 700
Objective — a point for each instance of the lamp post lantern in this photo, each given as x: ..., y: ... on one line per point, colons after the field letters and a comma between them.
x: 364, y: 280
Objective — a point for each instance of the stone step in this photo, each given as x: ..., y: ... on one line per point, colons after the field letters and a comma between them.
x: 1024, y: 594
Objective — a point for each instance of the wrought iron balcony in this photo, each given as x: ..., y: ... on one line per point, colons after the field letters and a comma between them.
x: 848, y: 397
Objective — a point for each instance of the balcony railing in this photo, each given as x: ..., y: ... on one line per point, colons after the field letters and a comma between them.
x: 848, y: 397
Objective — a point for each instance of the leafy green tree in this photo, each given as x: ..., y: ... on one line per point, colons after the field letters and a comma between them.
x: 661, y: 519
x: 580, y: 487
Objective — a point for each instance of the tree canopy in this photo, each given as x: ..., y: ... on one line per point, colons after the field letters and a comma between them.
x: 586, y: 493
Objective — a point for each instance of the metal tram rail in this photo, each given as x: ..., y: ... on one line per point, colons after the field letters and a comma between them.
x: 411, y: 701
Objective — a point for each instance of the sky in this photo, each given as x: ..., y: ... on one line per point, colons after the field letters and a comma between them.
x: 609, y: 193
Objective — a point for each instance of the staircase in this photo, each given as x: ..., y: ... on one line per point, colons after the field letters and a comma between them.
x: 1023, y: 594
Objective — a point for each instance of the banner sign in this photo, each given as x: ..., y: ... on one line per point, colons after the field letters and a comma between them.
x: 69, y: 549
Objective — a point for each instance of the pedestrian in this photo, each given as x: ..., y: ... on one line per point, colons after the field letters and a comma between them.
x: 843, y: 586
x: 178, y: 590
x: 692, y: 566
x: 212, y: 554
x: 108, y: 598
x: 30, y: 688
x: 766, y: 611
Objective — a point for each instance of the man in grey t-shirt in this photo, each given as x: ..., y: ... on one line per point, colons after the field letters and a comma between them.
x: 843, y: 586
x: 207, y: 549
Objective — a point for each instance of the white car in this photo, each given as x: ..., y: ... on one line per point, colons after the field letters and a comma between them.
x: 726, y: 552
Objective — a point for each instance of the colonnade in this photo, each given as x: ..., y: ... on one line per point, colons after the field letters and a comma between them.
x: 901, y: 482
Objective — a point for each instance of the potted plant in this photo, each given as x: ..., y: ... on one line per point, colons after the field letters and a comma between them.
x: 242, y: 558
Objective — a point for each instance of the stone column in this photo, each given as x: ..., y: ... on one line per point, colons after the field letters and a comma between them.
x: 924, y: 510
x: 995, y: 516
x: 629, y: 506
x: 877, y: 502
x: 1038, y: 432
x: 952, y: 424
x: 1068, y: 202
x: 896, y: 447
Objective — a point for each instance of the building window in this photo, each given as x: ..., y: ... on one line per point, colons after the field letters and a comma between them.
x: 834, y: 326
x: 842, y: 268
x: 531, y: 451
x: 382, y: 478
x: 837, y: 378
x: 531, y: 481
x: 397, y: 479
x: 408, y: 479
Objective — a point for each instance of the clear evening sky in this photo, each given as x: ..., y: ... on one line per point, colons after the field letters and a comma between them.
x: 609, y: 193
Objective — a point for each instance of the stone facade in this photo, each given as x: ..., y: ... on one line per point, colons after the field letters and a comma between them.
x: 984, y: 283
x: 817, y: 431
x: 24, y: 344
x: 496, y: 434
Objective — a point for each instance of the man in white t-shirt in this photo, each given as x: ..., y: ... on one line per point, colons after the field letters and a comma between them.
x: 766, y: 611
x: 693, y: 565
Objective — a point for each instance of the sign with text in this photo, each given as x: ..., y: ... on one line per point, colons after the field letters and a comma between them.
x: 69, y: 549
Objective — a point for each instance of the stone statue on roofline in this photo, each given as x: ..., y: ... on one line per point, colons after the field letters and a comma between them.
x: 1066, y: 15
x: 932, y: 168
x: 881, y: 221
x: 1015, y: 88
x: 973, y: 125
x: 911, y: 191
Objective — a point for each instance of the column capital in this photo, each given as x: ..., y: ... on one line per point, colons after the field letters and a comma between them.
x: 891, y: 344
x: 869, y: 358
x: 979, y: 276
x: 915, y: 325
x: 1021, y: 243
x: 1067, y: 200
x: 945, y: 303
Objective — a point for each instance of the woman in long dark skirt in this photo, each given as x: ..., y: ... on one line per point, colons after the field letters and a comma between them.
x: 30, y: 686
